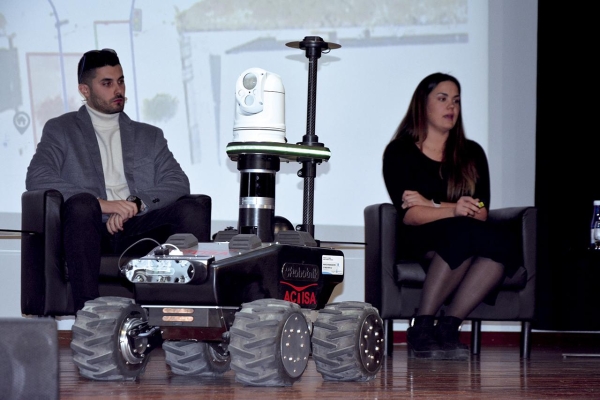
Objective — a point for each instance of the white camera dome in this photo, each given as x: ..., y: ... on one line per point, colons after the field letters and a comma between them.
x: 260, y: 107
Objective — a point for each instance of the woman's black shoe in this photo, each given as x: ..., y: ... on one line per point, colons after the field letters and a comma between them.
x: 422, y: 343
x: 447, y: 335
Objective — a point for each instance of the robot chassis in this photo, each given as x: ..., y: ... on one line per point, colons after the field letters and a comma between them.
x: 252, y: 301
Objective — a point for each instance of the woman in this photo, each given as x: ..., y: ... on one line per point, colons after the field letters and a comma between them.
x: 439, y: 182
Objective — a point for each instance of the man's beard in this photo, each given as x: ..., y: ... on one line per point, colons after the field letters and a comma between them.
x: 106, y: 107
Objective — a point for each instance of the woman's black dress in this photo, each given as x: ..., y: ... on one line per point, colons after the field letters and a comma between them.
x: 455, y: 239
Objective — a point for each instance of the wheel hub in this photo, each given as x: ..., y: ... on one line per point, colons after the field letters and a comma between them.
x: 295, y: 345
x: 371, y: 343
x: 132, y: 347
x: 218, y: 353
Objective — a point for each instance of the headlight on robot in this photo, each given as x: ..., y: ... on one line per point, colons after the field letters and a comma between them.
x: 260, y: 107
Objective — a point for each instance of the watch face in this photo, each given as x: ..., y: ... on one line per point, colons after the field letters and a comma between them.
x: 136, y: 200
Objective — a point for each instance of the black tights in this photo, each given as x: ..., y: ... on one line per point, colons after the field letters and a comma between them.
x: 471, y: 282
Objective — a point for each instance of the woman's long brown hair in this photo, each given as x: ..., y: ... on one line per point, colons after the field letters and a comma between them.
x: 460, y: 166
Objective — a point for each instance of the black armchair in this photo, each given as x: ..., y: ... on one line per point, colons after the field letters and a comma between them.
x: 394, y: 285
x: 45, y: 288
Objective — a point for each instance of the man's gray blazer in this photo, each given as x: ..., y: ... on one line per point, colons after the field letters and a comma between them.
x: 68, y: 159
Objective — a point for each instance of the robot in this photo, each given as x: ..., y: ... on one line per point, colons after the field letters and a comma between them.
x: 254, y: 300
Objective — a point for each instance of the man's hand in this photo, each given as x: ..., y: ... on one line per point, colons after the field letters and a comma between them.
x: 126, y: 209
x: 114, y: 223
x: 120, y: 211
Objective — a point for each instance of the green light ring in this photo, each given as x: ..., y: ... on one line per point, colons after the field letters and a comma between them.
x: 304, y: 151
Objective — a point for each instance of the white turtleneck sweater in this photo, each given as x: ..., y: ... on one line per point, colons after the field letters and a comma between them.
x: 108, y: 134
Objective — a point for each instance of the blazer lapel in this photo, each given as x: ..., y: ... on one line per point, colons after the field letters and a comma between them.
x: 128, y: 147
x: 91, y: 142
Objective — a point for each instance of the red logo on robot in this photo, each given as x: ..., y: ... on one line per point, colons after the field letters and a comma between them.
x: 301, y: 295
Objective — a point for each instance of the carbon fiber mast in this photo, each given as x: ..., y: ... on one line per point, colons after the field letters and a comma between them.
x: 313, y: 46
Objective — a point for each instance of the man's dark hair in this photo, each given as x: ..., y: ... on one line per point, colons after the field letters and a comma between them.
x: 86, y: 69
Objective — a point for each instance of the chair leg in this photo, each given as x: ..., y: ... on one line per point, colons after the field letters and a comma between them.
x: 525, y: 345
x: 475, y: 336
x: 388, y: 337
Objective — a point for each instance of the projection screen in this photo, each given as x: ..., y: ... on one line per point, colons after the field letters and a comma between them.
x: 181, y: 60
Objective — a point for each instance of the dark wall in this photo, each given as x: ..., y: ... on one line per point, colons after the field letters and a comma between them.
x: 567, y: 167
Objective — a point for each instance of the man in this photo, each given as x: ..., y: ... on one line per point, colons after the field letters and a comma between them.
x: 118, y: 177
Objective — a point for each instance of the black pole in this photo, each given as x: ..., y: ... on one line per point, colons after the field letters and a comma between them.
x: 309, y: 167
x: 313, y: 45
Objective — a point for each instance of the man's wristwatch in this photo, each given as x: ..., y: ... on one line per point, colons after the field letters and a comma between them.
x: 137, y: 201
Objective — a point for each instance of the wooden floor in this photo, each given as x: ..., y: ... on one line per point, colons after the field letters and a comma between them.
x: 497, y: 373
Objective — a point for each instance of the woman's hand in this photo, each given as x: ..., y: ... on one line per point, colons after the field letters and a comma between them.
x: 467, y: 206
x: 411, y: 198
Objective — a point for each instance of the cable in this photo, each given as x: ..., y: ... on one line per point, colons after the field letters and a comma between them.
x: 175, y: 252
x: 127, y: 249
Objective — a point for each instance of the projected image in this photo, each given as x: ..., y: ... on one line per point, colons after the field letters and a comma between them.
x: 49, y: 97
x: 11, y: 100
x: 181, y: 60
x: 267, y: 26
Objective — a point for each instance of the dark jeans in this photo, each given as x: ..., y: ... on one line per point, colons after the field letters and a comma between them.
x: 85, y: 237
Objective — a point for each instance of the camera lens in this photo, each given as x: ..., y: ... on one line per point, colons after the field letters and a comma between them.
x: 250, y: 81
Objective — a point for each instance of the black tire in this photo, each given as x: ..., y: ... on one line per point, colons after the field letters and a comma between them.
x: 196, y: 358
x: 347, y: 342
x: 269, y: 343
x: 101, y: 348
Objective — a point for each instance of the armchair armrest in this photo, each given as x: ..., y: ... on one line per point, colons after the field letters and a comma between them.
x: 42, y: 266
x: 204, y: 220
x: 380, y: 252
x: 524, y: 222
x: 37, y: 206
